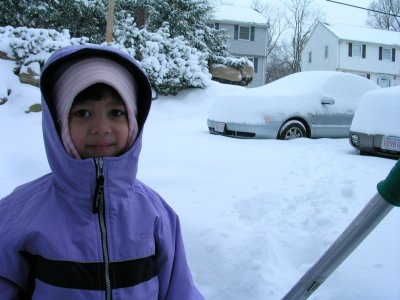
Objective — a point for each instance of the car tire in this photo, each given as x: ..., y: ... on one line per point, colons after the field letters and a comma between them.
x: 292, y: 130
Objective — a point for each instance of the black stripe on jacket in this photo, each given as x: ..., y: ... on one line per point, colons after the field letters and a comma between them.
x: 90, y: 276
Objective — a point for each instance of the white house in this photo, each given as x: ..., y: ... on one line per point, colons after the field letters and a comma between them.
x: 368, y: 52
x: 247, y: 30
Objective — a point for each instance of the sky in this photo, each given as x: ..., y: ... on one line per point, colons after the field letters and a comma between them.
x: 333, y: 12
x: 255, y: 214
x: 343, y: 14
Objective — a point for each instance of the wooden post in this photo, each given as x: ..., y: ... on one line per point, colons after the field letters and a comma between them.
x: 110, y: 20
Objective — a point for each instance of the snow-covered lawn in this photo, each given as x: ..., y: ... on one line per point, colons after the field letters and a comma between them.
x: 255, y: 214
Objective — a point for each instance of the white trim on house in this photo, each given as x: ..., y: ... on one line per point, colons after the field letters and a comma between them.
x: 369, y: 52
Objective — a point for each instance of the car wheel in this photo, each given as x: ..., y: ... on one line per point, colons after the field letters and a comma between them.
x: 292, y: 130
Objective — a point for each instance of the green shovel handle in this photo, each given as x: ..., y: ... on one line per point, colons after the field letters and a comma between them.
x: 389, y: 189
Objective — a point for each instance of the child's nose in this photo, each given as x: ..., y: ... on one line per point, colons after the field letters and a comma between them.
x: 100, y: 126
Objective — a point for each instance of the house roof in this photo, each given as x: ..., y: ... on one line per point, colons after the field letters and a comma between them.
x: 364, y: 34
x: 234, y: 14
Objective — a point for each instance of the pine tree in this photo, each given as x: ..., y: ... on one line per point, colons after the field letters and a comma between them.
x: 170, y: 62
x: 80, y: 17
x: 14, y: 13
x: 188, y: 19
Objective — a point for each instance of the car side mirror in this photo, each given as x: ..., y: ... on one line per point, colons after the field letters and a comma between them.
x: 327, y: 100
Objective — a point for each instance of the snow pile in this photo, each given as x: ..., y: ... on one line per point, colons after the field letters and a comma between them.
x: 15, y: 96
x: 379, y: 112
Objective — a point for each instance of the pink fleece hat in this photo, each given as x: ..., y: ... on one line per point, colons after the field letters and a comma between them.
x: 83, y: 73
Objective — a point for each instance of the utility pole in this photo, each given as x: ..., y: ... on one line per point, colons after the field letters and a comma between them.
x: 110, y: 21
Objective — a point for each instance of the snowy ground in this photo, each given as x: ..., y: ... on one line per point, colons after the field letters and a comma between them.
x: 255, y: 214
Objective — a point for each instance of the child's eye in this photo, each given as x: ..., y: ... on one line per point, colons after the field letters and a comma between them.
x: 117, y: 113
x: 82, y: 113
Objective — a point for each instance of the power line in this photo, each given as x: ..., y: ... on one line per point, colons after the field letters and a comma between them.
x: 368, y: 9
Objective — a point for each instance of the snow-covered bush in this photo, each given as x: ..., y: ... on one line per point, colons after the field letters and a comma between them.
x: 28, y: 45
x: 170, y: 63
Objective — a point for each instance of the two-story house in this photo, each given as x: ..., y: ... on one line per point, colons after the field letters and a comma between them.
x: 368, y: 52
x: 247, y: 30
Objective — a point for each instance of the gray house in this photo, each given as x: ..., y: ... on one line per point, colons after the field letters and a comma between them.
x: 247, y: 30
x: 368, y: 52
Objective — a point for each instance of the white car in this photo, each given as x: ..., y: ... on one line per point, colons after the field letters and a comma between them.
x: 376, y: 125
x: 312, y: 104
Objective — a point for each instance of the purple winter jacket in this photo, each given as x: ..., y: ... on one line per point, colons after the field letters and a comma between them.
x: 90, y: 229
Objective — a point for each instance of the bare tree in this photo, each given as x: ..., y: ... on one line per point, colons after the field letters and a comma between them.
x: 290, y: 26
x: 301, y: 17
x: 383, y: 14
x: 276, y: 22
x: 277, y: 66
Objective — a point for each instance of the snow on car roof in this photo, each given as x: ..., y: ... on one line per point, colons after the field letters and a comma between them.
x: 378, y: 112
x: 297, y: 93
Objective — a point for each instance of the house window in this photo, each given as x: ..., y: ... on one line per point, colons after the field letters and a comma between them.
x: 384, y: 82
x: 309, y: 57
x: 213, y: 25
x: 244, y: 33
x: 357, y: 50
x: 368, y: 76
x: 387, y: 54
x: 326, y: 51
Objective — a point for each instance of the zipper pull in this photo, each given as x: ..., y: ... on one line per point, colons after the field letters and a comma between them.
x: 99, y: 190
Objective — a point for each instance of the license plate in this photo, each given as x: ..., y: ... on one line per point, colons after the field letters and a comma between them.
x: 219, y: 127
x: 391, y: 143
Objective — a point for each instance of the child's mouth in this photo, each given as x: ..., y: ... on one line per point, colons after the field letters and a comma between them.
x: 100, y: 147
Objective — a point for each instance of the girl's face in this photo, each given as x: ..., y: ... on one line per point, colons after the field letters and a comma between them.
x: 99, y: 128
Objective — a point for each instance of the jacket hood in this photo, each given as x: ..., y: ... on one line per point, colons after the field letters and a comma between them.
x: 78, y: 176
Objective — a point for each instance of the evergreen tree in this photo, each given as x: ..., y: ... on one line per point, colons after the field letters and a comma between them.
x: 170, y: 62
x: 14, y: 13
x: 184, y: 17
x: 189, y: 19
x: 80, y: 17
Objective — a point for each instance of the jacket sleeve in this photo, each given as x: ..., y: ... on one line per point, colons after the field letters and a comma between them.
x: 175, y: 279
x: 14, y: 269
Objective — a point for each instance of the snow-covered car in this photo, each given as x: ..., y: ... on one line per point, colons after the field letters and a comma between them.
x: 376, y: 124
x: 312, y: 104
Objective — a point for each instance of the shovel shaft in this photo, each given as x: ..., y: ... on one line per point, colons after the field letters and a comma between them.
x: 354, y: 234
x: 377, y: 208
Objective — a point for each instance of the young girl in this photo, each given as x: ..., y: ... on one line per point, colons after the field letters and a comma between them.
x: 90, y: 229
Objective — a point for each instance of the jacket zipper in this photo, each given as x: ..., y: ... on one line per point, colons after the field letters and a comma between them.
x: 98, y: 207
